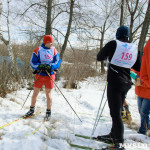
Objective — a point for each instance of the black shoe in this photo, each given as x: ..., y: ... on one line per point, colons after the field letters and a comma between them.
x: 29, y: 113
x: 105, y: 137
x: 48, y: 115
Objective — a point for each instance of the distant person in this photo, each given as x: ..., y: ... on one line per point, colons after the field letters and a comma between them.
x: 142, y: 89
x: 122, y: 56
x: 45, y: 58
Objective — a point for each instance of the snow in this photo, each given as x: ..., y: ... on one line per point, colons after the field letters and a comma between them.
x: 57, y: 133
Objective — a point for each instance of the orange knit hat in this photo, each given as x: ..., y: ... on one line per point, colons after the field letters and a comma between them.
x: 47, y: 39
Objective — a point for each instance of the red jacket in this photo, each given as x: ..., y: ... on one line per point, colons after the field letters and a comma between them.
x: 144, y: 90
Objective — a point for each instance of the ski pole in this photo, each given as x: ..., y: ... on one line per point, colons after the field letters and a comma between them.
x: 30, y: 90
x: 63, y: 95
x: 94, y: 127
x: 101, y: 113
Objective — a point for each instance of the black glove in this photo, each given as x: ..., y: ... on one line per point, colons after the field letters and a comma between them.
x: 48, y: 68
x: 44, y: 67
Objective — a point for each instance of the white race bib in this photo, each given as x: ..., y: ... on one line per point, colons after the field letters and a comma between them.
x: 46, y: 55
x: 125, y: 54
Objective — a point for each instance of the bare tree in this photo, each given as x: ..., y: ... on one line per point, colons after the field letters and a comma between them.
x: 135, y: 9
x: 1, y: 35
x: 96, y: 29
x: 52, y: 17
x: 144, y: 29
x: 68, y: 29
x: 0, y: 18
x: 122, y: 13
x: 49, y: 20
x: 7, y: 42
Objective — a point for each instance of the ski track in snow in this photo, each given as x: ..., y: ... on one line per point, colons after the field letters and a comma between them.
x: 59, y: 131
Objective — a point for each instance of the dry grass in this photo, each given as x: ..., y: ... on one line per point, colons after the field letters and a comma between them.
x: 133, y: 125
x: 7, y: 80
x: 74, y: 73
x: 12, y: 99
x: 79, y: 67
x: 30, y: 86
x: 9, y: 76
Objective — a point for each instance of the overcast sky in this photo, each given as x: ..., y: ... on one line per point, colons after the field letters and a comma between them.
x: 17, y: 24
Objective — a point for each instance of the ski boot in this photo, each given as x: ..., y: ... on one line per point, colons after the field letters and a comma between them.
x: 105, y: 138
x: 128, y: 114
x: 129, y: 117
x: 123, y: 116
x: 29, y: 113
x: 48, y: 115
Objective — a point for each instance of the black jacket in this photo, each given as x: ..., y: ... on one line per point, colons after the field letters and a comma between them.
x: 116, y: 74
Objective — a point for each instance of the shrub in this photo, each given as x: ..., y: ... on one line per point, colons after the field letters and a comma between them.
x: 79, y: 67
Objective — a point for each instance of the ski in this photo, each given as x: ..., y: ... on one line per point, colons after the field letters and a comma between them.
x: 89, y: 148
x: 37, y: 129
x: 10, y: 123
x: 107, y: 142
x: 3, y: 126
x: 82, y: 147
x: 93, y: 138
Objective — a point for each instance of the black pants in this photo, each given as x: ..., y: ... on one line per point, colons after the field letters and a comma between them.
x: 116, y: 95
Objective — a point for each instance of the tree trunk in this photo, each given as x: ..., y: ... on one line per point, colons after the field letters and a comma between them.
x: 0, y: 15
x: 132, y: 12
x: 144, y: 29
x: 48, y: 21
x: 122, y: 12
x: 131, y: 28
x: 11, y: 55
x: 9, y: 48
x: 96, y: 59
x: 101, y: 46
x: 1, y: 36
x: 68, y: 29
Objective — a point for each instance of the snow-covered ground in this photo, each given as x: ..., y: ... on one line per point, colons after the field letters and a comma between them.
x: 64, y: 124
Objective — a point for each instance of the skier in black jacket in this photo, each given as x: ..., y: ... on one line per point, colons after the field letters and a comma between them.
x: 122, y: 56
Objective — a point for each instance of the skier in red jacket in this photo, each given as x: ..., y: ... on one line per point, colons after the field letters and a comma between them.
x: 142, y: 89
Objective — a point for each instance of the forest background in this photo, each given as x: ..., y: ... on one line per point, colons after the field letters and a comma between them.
x: 80, y: 28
